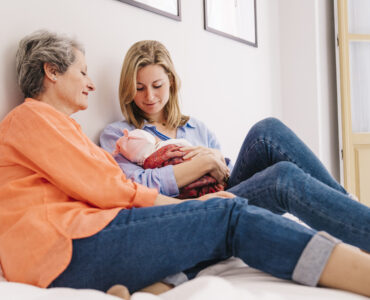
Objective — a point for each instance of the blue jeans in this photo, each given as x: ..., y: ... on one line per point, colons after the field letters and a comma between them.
x: 276, y: 170
x: 144, y: 245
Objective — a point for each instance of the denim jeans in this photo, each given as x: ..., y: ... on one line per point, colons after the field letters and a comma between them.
x: 277, y: 171
x: 144, y: 245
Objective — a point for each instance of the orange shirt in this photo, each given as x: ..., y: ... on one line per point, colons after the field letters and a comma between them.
x: 55, y: 185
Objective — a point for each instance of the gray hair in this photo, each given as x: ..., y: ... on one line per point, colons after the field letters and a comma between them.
x: 38, y: 48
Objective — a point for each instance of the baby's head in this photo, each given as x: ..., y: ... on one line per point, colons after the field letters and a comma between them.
x: 135, y: 145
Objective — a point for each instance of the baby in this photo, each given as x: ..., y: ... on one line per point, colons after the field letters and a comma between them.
x: 142, y: 148
x: 137, y: 145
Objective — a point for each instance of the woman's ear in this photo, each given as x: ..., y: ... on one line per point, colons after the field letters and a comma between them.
x: 50, y: 71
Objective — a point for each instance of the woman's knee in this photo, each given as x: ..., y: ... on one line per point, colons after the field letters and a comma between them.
x: 282, y: 168
x: 266, y: 128
x: 288, y: 176
x: 268, y: 124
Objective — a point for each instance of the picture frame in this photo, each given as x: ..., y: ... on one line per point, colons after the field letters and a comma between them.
x: 168, y: 8
x: 233, y: 19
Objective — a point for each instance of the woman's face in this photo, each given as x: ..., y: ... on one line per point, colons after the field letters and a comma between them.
x: 152, y: 91
x: 74, y: 85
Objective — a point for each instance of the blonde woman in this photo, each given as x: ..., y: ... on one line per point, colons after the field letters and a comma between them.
x: 275, y: 170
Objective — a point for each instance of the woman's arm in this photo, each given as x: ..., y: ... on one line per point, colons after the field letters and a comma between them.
x: 164, y: 200
x: 48, y: 143
x: 167, y: 180
x: 162, y: 179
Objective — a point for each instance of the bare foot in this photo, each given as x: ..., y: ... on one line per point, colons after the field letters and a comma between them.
x: 120, y: 291
x: 157, y: 288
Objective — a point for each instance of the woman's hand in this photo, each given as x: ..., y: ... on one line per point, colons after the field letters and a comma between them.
x: 216, y: 161
x: 220, y: 172
x: 221, y: 194
x: 200, y: 150
x: 164, y: 200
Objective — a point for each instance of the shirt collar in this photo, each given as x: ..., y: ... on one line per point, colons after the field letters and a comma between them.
x: 190, y: 124
x: 147, y: 124
x: 50, y: 107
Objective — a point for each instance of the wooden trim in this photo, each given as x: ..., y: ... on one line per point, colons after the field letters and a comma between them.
x: 361, y: 138
x: 359, y: 37
x: 356, y: 145
x: 345, y: 92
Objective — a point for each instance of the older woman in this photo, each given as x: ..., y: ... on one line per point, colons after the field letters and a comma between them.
x: 69, y: 217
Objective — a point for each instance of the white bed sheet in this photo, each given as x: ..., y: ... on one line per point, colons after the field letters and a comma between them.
x: 244, y: 282
x: 231, y: 279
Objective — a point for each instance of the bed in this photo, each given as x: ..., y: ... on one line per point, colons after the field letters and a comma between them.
x: 231, y: 279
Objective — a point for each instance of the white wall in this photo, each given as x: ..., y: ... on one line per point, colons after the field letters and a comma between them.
x: 227, y: 84
x: 308, y: 75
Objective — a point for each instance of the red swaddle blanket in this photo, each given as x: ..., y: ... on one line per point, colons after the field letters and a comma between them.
x: 169, y: 155
x: 141, y: 147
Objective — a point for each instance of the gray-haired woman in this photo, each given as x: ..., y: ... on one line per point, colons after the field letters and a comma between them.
x: 69, y: 217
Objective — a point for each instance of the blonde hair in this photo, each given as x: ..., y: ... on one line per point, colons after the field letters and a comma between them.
x: 142, y: 54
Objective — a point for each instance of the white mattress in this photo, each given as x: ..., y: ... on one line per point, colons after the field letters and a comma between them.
x: 231, y: 279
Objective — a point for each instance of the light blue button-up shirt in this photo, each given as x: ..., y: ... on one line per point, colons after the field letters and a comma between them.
x: 163, y: 179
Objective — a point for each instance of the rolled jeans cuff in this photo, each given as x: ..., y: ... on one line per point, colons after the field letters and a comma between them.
x: 314, y: 258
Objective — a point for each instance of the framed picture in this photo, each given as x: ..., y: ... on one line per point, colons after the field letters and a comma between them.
x: 234, y: 19
x: 167, y: 8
